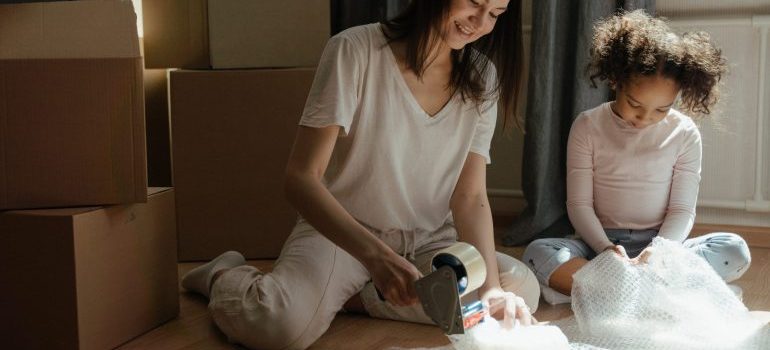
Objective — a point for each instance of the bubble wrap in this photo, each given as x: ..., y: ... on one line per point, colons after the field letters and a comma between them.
x: 490, y: 335
x: 675, y: 301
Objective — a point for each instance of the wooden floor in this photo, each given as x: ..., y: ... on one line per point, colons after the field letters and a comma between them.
x: 193, y: 329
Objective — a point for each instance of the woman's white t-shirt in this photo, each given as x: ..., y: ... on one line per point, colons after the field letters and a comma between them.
x: 394, y: 167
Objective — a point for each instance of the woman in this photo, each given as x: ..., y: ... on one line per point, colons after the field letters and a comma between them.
x: 388, y: 167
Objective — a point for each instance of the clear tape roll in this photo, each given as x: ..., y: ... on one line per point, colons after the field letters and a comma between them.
x: 467, y: 263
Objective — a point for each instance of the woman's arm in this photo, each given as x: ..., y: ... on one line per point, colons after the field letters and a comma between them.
x: 392, y: 274
x: 473, y: 220
x: 473, y: 217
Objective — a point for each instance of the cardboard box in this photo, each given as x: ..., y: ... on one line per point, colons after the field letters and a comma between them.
x: 232, y: 134
x: 71, y: 105
x: 158, y: 127
x: 234, y: 33
x: 87, y: 278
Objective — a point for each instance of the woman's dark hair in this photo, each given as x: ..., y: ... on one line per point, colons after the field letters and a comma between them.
x: 420, y: 26
x: 633, y: 43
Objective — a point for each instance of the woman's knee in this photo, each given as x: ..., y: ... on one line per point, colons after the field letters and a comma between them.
x: 516, y: 278
x: 259, y: 315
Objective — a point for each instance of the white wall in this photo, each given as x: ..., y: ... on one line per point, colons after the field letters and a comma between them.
x: 735, y: 186
x: 688, y: 8
x: 736, y: 160
x: 138, y: 10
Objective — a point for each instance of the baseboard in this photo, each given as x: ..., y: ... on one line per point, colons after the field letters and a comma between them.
x: 756, y: 237
x: 505, y: 209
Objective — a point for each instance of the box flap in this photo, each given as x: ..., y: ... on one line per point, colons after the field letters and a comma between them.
x: 69, y: 29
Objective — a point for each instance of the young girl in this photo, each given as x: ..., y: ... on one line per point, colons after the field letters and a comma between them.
x: 633, y: 164
x: 387, y: 168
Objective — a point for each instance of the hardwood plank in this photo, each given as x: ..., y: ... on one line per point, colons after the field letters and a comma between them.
x: 756, y: 281
x: 758, y: 237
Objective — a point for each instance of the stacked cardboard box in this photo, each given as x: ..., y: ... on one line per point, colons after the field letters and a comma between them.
x: 232, y: 130
x: 72, y: 121
x: 89, y: 277
x: 232, y: 134
x: 234, y: 33
x: 101, y: 269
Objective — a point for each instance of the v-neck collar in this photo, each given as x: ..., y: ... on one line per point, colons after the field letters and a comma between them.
x: 407, y: 92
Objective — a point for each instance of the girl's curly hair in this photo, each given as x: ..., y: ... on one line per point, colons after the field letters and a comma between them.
x: 631, y: 43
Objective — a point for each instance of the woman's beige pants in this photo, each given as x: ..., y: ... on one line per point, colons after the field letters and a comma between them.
x: 292, y: 306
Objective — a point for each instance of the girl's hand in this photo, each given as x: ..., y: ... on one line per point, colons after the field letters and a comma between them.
x: 394, y: 277
x: 643, y: 257
x: 618, y: 249
x: 508, y: 307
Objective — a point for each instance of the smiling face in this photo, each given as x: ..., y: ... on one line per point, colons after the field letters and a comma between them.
x: 469, y: 20
x: 645, y: 100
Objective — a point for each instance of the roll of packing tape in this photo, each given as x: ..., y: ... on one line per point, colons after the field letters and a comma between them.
x: 467, y: 263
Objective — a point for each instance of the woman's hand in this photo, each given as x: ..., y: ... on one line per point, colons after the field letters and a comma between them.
x: 394, y: 277
x: 508, y: 307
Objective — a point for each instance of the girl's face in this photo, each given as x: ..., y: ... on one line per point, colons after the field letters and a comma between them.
x: 469, y: 20
x: 645, y: 100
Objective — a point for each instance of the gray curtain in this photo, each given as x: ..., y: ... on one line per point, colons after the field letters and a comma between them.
x: 558, y: 90
x: 349, y: 13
